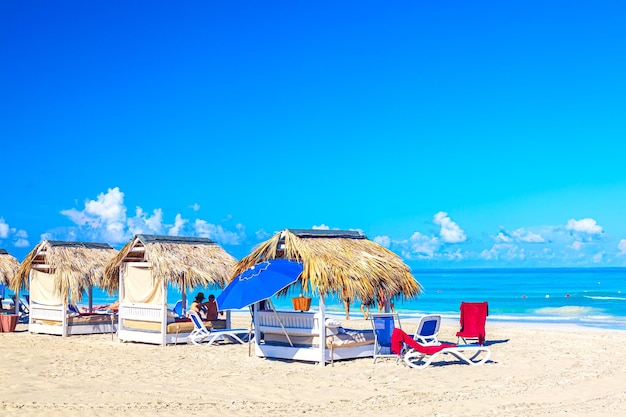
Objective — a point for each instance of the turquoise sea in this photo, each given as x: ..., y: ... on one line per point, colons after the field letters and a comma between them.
x: 583, y: 296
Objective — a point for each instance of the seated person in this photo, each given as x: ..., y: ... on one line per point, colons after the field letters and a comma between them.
x: 206, y: 310
x: 211, y: 308
x: 197, y: 304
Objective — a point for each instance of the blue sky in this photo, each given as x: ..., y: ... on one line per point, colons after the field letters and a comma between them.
x: 482, y: 134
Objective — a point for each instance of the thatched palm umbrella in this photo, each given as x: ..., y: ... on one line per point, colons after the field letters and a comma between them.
x: 76, y: 266
x: 183, y: 262
x: 8, y: 266
x: 338, y: 262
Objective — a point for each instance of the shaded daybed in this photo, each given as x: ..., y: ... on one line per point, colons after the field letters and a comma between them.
x: 336, y: 263
x: 142, y: 271
x: 57, y: 275
x: 8, y: 266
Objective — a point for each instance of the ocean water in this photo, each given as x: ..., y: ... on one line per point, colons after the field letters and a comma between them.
x: 593, y: 297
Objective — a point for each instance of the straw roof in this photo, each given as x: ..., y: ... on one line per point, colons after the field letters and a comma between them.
x: 8, y: 266
x: 180, y: 261
x: 76, y: 266
x: 338, y: 262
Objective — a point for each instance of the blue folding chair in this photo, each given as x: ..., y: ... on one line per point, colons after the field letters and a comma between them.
x: 383, y: 324
x: 178, y: 308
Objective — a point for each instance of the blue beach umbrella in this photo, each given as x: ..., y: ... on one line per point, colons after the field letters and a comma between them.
x: 259, y: 282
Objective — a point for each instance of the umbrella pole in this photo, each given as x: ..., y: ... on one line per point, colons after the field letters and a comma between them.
x: 253, y: 310
x: 280, y: 321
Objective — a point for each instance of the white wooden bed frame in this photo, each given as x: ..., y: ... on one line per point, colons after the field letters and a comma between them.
x: 301, y: 324
x: 150, y: 313
x: 59, y: 315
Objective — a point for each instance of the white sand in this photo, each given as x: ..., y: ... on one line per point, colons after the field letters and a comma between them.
x: 533, y: 372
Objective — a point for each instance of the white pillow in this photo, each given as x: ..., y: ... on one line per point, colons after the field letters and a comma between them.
x: 332, y: 323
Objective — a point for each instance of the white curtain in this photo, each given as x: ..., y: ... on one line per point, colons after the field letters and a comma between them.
x: 140, y: 286
x: 42, y: 289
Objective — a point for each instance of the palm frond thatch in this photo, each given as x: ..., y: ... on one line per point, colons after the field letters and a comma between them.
x: 76, y: 266
x: 8, y: 266
x: 180, y: 261
x: 338, y: 262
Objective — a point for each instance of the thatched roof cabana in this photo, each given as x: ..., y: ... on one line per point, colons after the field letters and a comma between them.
x: 184, y: 262
x: 8, y: 266
x: 338, y: 262
x: 145, y: 268
x: 76, y: 266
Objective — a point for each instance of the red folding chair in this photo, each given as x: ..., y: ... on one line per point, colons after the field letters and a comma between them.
x: 473, y: 319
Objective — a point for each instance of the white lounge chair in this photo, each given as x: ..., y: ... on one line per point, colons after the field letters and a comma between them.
x: 420, y: 356
x: 428, y: 330
x: 201, y: 334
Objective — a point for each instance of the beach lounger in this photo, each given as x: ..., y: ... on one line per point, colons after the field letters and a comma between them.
x: 201, y: 334
x: 473, y: 319
x: 24, y: 310
x: 421, y: 356
x: 384, y: 324
x: 428, y: 329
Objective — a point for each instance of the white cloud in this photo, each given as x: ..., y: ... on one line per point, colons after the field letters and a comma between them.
x: 21, y: 243
x: 586, y: 225
x: 455, y: 256
x: 321, y: 227
x: 218, y: 234
x: 179, y: 222
x: 504, y: 251
x: 597, y: 258
x: 144, y: 223
x: 526, y: 236
x: 20, y: 236
x: 261, y: 234
x: 383, y: 241
x: 621, y: 246
x: 576, y: 245
x: 520, y: 235
x: 195, y: 207
x: 450, y: 232
x: 108, y: 207
x: 4, y: 229
x: 104, y: 218
x: 502, y: 238
x: 422, y: 245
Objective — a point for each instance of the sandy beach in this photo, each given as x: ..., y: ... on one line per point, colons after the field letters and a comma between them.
x: 534, y: 371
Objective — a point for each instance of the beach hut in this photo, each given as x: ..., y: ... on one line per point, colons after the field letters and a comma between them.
x: 57, y: 275
x: 8, y: 266
x: 340, y: 263
x: 144, y: 269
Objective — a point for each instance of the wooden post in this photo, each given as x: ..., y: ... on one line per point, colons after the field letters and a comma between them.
x: 163, y: 311
x: 120, y: 295
x: 90, y: 294
x: 322, y: 325
x: 184, y: 299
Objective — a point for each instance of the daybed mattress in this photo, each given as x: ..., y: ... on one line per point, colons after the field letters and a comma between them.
x: 79, y: 320
x: 348, y: 338
x: 183, y: 326
x: 351, y: 338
